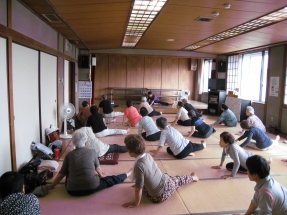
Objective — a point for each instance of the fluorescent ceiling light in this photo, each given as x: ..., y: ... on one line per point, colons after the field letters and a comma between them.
x: 142, y: 15
x: 269, y: 19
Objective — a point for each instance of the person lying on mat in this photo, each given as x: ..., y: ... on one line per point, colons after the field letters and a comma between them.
x: 236, y: 153
x: 270, y: 197
x: 262, y: 141
x: 151, y: 112
x: 152, y: 133
x: 147, y: 176
x: 100, y: 147
x: 198, y: 127
x: 132, y: 115
x: 79, y: 168
x: 227, y: 117
x: 179, y: 147
x: 99, y: 128
x: 181, y: 116
x: 14, y: 199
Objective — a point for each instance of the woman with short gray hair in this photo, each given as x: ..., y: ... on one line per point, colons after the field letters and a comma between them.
x: 79, y: 168
x: 151, y: 111
x: 253, y: 120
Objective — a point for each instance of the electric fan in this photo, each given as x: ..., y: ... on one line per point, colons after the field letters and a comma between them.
x: 67, y: 111
x: 185, y: 94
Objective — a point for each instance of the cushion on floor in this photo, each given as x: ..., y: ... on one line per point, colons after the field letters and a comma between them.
x: 110, y: 158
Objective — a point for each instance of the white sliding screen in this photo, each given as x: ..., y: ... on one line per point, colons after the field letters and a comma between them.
x: 26, y: 101
x: 48, y: 83
x: 5, y: 152
x: 66, y: 81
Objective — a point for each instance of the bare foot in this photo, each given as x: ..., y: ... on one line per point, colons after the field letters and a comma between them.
x: 128, y: 129
x: 203, y: 143
x: 284, y: 160
x: 129, y: 173
x: 191, y: 154
x: 269, y: 161
x: 194, y: 177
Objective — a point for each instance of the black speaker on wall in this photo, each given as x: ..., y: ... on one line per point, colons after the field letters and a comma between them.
x: 221, y: 66
x: 83, y: 61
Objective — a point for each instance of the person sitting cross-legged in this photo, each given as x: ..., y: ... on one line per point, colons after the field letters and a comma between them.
x: 99, y: 128
x: 152, y: 133
x: 14, y: 199
x: 227, y: 117
x: 179, y: 147
x: 148, y: 178
x: 79, y: 168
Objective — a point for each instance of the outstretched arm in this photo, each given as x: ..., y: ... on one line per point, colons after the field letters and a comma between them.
x: 56, y: 181
x: 191, y: 131
x: 100, y: 172
x: 156, y: 151
x: 138, y: 196
x: 251, y: 209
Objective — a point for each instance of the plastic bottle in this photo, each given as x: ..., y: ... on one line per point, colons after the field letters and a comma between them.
x: 56, y: 153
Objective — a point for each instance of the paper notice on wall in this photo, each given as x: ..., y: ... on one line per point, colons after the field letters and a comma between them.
x: 85, y: 89
x: 274, y: 86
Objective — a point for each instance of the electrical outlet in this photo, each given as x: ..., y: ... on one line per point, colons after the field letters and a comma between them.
x: 271, y: 119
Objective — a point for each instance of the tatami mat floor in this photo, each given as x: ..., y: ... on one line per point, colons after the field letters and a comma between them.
x: 211, y: 195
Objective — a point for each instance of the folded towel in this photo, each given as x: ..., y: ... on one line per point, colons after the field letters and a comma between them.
x: 48, y: 164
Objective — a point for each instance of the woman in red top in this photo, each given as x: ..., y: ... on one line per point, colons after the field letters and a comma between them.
x: 132, y: 114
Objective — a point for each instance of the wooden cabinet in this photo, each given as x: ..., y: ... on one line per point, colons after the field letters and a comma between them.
x: 215, y: 99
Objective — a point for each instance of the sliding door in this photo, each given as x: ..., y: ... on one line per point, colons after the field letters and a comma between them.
x: 5, y: 152
x: 48, y: 86
x: 26, y: 101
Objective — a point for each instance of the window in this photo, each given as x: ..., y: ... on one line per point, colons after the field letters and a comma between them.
x: 232, y: 73
x: 206, y: 75
x: 248, y: 73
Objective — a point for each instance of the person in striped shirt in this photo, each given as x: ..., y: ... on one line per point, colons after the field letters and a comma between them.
x: 179, y: 147
x: 152, y: 133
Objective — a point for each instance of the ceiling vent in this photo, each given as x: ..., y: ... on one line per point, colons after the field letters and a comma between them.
x: 52, y: 18
x: 204, y: 19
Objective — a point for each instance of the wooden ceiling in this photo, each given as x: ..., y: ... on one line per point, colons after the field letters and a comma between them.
x: 101, y: 24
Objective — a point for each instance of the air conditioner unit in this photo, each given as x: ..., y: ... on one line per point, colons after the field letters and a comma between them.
x: 185, y: 94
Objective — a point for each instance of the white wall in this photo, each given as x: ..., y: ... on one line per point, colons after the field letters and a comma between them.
x: 26, y: 101
x: 48, y: 83
x: 5, y: 152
